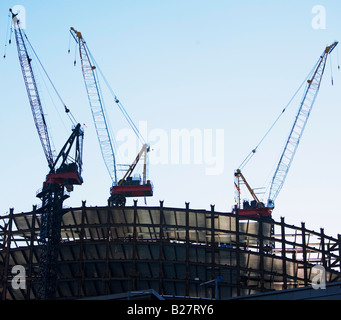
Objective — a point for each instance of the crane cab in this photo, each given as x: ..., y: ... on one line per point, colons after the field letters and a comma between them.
x: 254, y: 210
x: 130, y: 187
x: 68, y: 174
x: 249, y: 209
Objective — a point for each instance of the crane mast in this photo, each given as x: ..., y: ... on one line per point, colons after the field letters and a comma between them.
x: 52, y: 196
x: 65, y: 171
x: 298, y: 127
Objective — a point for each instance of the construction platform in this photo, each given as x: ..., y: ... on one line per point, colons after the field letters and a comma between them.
x: 176, y: 253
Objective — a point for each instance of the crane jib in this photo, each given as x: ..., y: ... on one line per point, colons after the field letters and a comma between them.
x: 298, y: 127
x: 32, y: 91
x: 96, y: 106
x: 332, y: 47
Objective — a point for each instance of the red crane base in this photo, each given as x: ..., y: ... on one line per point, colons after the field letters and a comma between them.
x: 255, y: 212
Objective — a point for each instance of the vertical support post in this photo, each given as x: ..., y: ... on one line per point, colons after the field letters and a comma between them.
x: 30, y: 258
x: 213, y: 262
x: 323, y: 247
x: 238, y: 277
x: 134, y: 271
x: 161, y: 248
x: 187, y: 249
x: 304, y: 251
x: 238, y: 190
x: 284, y: 258
x: 339, y: 244
x: 323, y: 250
x: 80, y: 273
x: 107, y: 253
x: 261, y: 251
x: 7, y: 250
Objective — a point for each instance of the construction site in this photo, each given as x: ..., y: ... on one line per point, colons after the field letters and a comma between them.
x: 178, y: 253
x: 121, y: 252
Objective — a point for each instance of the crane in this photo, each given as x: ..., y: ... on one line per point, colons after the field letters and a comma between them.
x: 64, y: 172
x: 130, y: 187
x: 127, y: 186
x: 312, y: 88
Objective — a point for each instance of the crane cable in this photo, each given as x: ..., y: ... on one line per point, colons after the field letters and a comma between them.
x: 331, y: 71
x: 66, y: 109
x: 254, y: 150
x: 9, y: 41
x: 120, y: 106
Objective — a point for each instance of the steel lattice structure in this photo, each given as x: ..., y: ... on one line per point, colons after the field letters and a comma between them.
x: 97, y: 110
x: 298, y: 127
x: 175, y: 252
x: 32, y: 91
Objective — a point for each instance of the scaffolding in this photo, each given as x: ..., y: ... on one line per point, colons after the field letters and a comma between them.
x: 177, y: 252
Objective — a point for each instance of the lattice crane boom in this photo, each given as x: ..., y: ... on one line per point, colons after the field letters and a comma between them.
x: 32, y: 90
x: 298, y: 127
x: 96, y: 106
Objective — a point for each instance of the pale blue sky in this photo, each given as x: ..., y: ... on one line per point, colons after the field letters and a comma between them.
x: 230, y: 65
